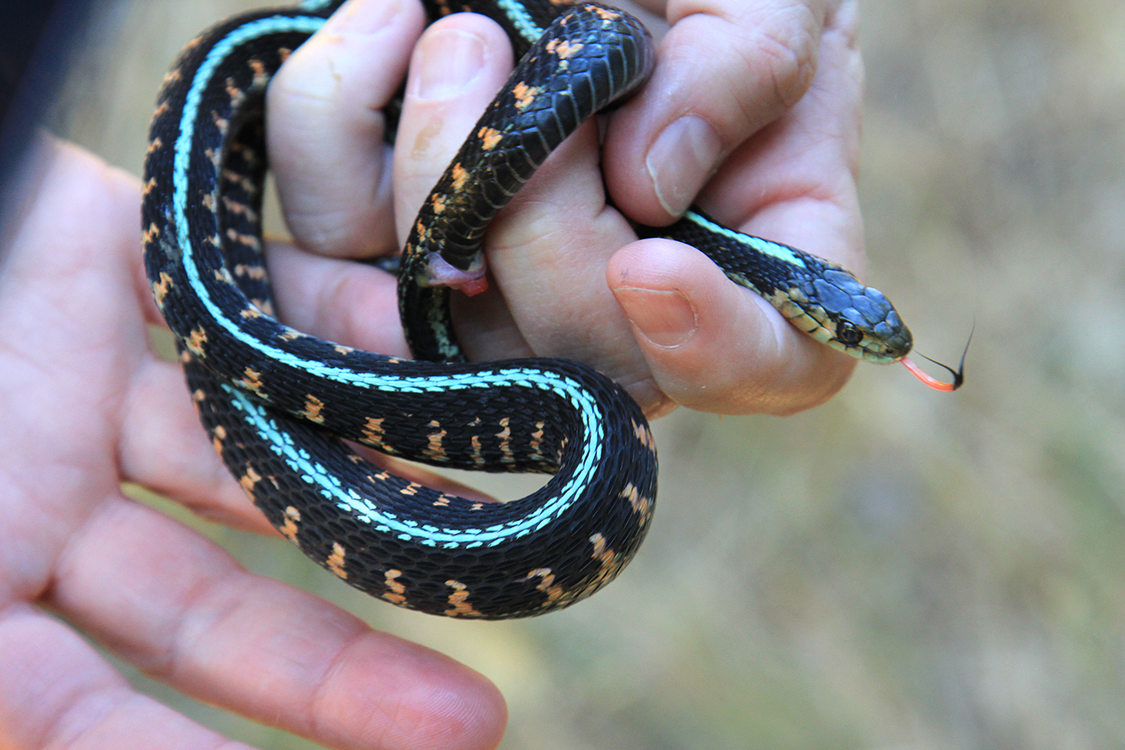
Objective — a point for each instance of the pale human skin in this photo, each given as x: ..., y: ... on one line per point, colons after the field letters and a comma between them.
x: 88, y: 405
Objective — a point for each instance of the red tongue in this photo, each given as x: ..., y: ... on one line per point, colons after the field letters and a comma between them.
x: 930, y: 380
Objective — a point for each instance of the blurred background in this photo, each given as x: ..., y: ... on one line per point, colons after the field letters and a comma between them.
x: 898, y: 568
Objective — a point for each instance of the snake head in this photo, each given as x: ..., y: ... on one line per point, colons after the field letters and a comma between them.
x: 869, y: 327
x: 835, y: 308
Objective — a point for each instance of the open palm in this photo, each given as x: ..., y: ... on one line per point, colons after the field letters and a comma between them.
x: 87, y: 406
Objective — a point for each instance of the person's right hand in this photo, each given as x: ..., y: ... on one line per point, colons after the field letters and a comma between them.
x: 569, y: 279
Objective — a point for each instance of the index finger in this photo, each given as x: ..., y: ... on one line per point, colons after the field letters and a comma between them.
x: 327, y: 129
x: 177, y: 606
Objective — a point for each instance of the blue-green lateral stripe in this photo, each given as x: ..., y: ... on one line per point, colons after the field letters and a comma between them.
x: 182, y: 155
x: 522, y: 21
x: 570, y: 390
x: 333, y: 490
x: 765, y: 247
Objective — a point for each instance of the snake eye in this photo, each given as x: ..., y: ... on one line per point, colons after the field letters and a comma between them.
x: 847, y: 333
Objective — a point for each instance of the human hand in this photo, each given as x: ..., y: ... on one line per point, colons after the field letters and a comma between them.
x: 753, y: 112
x: 780, y: 84
x: 87, y: 406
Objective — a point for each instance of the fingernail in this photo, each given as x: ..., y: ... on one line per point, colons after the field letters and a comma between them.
x: 450, y: 59
x: 666, y: 318
x: 680, y: 160
x: 363, y: 17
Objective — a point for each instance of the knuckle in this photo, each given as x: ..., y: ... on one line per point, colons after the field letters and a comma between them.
x: 784, y: 47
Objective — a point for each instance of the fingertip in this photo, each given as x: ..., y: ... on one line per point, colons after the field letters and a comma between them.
x: 424, y: 699
x: 459, y: 63
x: 463, y: 710
x: 649, y: 279
x: 456, y: 52
x: 326, y: 127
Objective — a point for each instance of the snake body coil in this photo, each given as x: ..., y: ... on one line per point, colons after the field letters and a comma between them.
x: 279, y: 404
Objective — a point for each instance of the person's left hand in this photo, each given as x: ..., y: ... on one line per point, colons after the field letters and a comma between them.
x: 88, y: 406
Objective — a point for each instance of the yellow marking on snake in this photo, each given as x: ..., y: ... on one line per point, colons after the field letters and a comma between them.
x: 603, y: 553
x: 242, y: 181
x: 314, y: 409
x: 459, y: 604
x: 196, y: 341
x: 537, y: 437
x: 247, y: 240
x: 150, y: 234
x: 505, y: 436
x: 238, y: 207
x: 641, y: 505
x: 563, y: 49
x: 292, y: 523
x: 267, y: 307
x: 460, y: 176
x: 489, y: 138
x: 644, y: 435
x: 525, y: 94
x: 222, y: 275
x: 251, y: 380
x: 335, y: 561
x: 218, y: 435
x: 373, y: 431
x: 396, y: 592
x: 249, y: 479
x: 546, y: 584
x: 260, y: 72
x: 161, y: 288
x: 434, y: 449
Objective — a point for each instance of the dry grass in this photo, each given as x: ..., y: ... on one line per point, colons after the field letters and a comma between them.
x: 897, y: 569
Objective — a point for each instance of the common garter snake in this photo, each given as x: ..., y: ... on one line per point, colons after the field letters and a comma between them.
x: 279, y: 404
